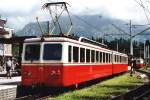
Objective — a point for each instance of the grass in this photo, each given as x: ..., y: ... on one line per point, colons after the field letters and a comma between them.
x: 103, y: 90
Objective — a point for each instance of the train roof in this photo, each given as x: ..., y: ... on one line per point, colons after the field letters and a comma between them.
x: 65, y: 38
x: 70, y: 39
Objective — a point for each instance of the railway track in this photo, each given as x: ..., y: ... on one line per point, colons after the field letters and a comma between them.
x: 29, y: 93
x: 140, y: 93
x: 40, y: 93
x: 34, y: 97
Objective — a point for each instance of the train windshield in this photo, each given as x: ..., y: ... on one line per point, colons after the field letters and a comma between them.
x: 52, y: 52
x: 32, y: 52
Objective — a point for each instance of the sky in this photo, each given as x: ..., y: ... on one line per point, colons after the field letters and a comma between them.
x: 20, y: 12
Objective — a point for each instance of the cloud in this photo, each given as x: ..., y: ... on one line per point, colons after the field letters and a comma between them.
x: 120, y: 9
x: 21, y: 12
x: 18, y: 7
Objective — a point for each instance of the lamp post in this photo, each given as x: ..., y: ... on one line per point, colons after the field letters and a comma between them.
x: 131, y: 45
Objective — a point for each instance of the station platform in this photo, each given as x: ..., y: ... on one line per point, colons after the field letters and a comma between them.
x: 8, y: 87
x: 13, y: 81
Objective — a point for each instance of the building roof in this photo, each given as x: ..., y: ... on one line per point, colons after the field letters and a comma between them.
x: 3, y: 31
x: 12, y: 40
x: 2, y: 22
x: 2, y: 25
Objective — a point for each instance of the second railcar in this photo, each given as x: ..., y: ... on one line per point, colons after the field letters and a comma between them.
x: 139, y: 63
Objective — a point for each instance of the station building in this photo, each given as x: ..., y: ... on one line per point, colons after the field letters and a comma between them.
x: 5, y: 49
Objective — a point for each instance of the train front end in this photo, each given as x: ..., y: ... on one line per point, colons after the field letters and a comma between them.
x: 41, y: 64
x: 139, y: 63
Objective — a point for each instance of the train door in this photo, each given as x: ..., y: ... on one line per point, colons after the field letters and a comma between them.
x: 32, y: 71
x: 52, y: 60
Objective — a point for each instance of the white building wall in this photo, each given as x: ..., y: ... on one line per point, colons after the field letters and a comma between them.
x: 6, y: 49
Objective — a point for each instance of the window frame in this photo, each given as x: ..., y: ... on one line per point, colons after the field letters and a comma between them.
x: 74, y: 61
x: 92, y: 56
x: 24, y: 50
x: 81, y: 48
x: 88, y: 59
x: 70, y: 53
x: 42, y: 54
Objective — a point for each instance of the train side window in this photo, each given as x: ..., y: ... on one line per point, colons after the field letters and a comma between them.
x: 120, y: 59
x: 115, y: 58
x: 104, y: 57
x: 93, y: 56
x: 109, y: 58
x: 75, y: 54
x: 100, y: 57
x: 69, y: 53
x: 124, y: 59
x: 97, y: 56
x: 88, y: 55
x: 82, y: 55
x: 32, y: 52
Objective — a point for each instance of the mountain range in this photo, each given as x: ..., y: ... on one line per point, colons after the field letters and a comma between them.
x: 87, y: 26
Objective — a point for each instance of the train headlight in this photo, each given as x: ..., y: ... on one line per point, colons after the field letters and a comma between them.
x: 29, y: 74
x: 53, y: 72
x: 58, y: 72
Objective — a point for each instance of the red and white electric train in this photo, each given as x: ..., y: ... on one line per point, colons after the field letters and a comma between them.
x: 59, y: 61
x: 139, y: 63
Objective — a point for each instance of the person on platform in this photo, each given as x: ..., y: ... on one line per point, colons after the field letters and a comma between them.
x: 8, y: 67
x: 133, y: 66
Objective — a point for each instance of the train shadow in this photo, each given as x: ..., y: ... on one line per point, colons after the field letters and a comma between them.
x: 51, y: 91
